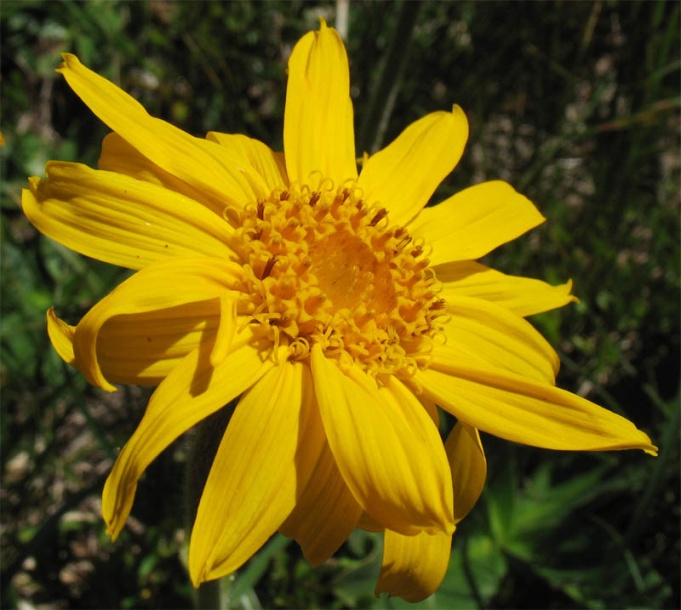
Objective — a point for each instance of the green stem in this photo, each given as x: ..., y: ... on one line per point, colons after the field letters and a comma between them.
x: 206, y: 439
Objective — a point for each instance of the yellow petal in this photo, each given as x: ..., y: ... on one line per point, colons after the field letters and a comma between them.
x: 61, y: 337
x: 370, y: 524
x: 386, y: 447
x: 201, y: 164
x: 431, y: 409
x: 527, y: 411
x: 522, y: 295
x: 469, y: 467
x: 153, y: 289
x: 421, y: 422
x: 192, y: 392
x: 121, y: 220
x: 484, y: 333
x: 120, y: 157
x: 403, y: 176
x: 325, y: 513
x: 269, y: 449
x: 226, y: 329
x: 413, y: 566
x: 270, y: 165
x: 473, y: 222
x: 319, y: 137
x: 143, y: 348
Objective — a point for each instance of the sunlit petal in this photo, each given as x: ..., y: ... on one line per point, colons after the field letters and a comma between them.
x: 269, y: 449
x: 527, y: 411
x: 142, y: 348
x: 154, y: 289
x: 121, y: 220
x: 121, y: 157
x: 386, y: 447
x: 522, y: 295
x: 270, y: 165
x: 202, y: 164
x: 474, y: 221
x: 403, y: 176
x: 487, y: 334
x: 319, y: 137
x: 193, y: 391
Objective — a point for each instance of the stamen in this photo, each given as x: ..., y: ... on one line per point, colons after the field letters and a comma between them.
x: 380, y: 215
x: 333, y: 273
x: 268, y: 267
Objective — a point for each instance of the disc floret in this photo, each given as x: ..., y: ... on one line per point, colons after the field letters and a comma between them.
x: 324, y: 267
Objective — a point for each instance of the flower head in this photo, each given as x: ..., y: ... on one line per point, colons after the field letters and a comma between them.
x: 332, y: 304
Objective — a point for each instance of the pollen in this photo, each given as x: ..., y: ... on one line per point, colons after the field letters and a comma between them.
x: 324, y: 267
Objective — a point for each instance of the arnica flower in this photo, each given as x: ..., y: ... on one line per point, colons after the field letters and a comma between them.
x: 332, y: 304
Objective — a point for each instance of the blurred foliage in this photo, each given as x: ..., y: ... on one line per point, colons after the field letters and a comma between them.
x: 575, y: 103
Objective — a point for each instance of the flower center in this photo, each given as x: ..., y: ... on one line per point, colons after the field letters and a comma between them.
x: 323, y: 267
x: 349, y: 273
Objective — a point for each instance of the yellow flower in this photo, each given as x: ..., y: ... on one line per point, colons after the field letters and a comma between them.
x: 335, y: 305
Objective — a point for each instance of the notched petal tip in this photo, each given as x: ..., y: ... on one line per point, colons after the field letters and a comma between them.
x: 644, y: 443
x: 69, y: 61
x: 567, y: 287
x: 461, y: 119
x: 33, y: 184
